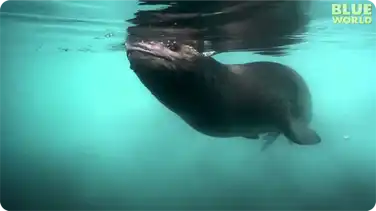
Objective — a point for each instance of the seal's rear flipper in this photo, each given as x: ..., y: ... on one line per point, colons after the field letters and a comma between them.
x: 301, y: 134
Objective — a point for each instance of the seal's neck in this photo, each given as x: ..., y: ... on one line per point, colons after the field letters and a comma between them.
x: 187, y: 86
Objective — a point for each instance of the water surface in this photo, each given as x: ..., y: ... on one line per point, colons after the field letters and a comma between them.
x: 80, y: 131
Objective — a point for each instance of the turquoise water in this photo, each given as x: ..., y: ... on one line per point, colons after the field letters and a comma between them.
x: 80, y: 132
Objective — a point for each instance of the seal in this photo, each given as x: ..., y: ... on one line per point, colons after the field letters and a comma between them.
x: 219, y: 100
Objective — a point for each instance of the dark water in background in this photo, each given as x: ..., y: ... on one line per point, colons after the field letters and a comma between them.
x: 79, y: 131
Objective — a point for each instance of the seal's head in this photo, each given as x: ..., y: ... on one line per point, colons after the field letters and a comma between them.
x: 162, y: 56
x: 180, y: 77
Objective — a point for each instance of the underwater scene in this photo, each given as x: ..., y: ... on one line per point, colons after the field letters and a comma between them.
x: 177, y: 105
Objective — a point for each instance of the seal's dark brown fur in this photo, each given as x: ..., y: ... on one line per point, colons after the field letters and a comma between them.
x: 242, y: 100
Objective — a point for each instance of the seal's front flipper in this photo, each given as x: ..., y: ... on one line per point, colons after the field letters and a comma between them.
x: 271, y: 136
x: 252, y: 136
x: 269, y: 139
x: 301, y: 134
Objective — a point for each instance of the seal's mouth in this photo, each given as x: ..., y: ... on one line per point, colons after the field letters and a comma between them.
x: 151, y: 49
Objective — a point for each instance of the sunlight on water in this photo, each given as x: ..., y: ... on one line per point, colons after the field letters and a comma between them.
x: 88, y: 135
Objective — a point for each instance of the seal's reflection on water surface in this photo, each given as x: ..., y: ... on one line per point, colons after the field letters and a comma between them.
x: 265, y: 27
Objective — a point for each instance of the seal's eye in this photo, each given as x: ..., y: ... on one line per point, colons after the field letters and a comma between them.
x: 173, y: 46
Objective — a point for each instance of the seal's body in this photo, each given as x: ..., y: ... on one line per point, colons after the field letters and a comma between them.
x: 221, y: 100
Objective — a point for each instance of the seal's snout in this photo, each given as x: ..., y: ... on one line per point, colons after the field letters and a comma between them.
x: 143, y: 45
x: 150, y: 48
x: 157, y: 54
x: 162, y: 46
